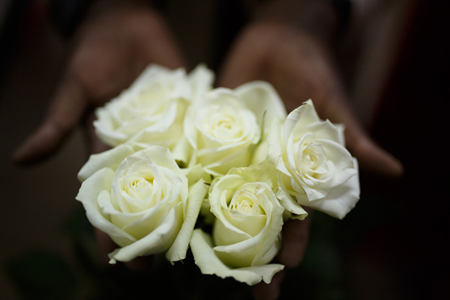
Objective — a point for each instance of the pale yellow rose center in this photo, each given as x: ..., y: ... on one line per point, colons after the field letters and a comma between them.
x: 312, y: 160
x: 245, y: 202
x: 224, y: 126
x: 140, y: 187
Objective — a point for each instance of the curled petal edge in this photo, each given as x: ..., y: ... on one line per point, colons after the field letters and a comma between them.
x: 179, y: 247
x: 210, y: 264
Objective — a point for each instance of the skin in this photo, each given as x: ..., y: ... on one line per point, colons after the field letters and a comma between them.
x: 110, y: 50
x: 114, y: 45
x: 294, y: 57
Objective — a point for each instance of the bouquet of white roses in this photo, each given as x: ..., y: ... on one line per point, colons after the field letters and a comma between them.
x: 183, y: 150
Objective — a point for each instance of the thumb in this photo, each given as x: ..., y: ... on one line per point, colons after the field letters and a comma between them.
x: 64, y: 113
x: 369, y: 154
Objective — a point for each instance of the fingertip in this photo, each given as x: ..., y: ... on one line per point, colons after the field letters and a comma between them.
x: 30, y: 151
x: 21, y: 155
x: 396, y: 170
x: 373, y: 158
x: 38, y: 146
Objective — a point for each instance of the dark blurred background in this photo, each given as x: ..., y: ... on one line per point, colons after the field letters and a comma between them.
x: 393, y: 245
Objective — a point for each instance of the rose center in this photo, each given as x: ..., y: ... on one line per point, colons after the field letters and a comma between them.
x: 140, y: 187
x: 245, y: 202
x: 224, y: 126
x: 313, y: 160
x: 310, y: 161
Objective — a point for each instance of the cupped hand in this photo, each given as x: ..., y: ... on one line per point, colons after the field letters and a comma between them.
x: 110, y: 49
x: 300, y: 68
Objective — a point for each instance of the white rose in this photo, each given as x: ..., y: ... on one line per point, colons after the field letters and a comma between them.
x: 224, y: 125
x: 151, y: 111
x: 315, y: 167
x: 140, y: 199
x: 246, y: 232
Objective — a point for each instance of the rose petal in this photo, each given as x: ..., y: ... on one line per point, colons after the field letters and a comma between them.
x: 290, y: 204
x: 156, y: 242
x: 321, y: 130
x: 207, y: 261
x: 299, y: 118
x: 95, y: 189
x: 111, y: 159
x: 201, y: 80
x: 196, y: 195
x: 261, y: 97
x: 339, y: 200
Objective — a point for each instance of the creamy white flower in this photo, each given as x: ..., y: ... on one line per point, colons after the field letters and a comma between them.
x: 141, y: 200
x: 151, y: 111
x: 315, y: 167
x: 224, y: 125
x: 246, y: 231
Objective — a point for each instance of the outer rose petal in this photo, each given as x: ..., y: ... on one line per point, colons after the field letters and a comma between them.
x: 93, y: 189
x: 340, y: 200
x: 261, y: 97
x: 207, y: 261
x: 292, y: 206
x: 149, y: 74
x: 154, y: 243
x: 179, y: 247
x: 201, y: 79
x: 275, y: 148
x: 300, y: 118
x: 107, y: 159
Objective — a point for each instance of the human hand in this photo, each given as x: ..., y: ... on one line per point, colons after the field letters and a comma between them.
x: 299, y: 67
x: 111, y: 48
x: 295, y: 236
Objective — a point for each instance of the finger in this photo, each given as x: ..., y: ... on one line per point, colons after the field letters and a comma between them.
x: 370, y: 155
x: 295, y: 240
x: 244, y: 63
x: 331, y: 103
x: 63, y: 115
x: 271, y: 291
x: 324, y: 88
x: 159, y: 46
